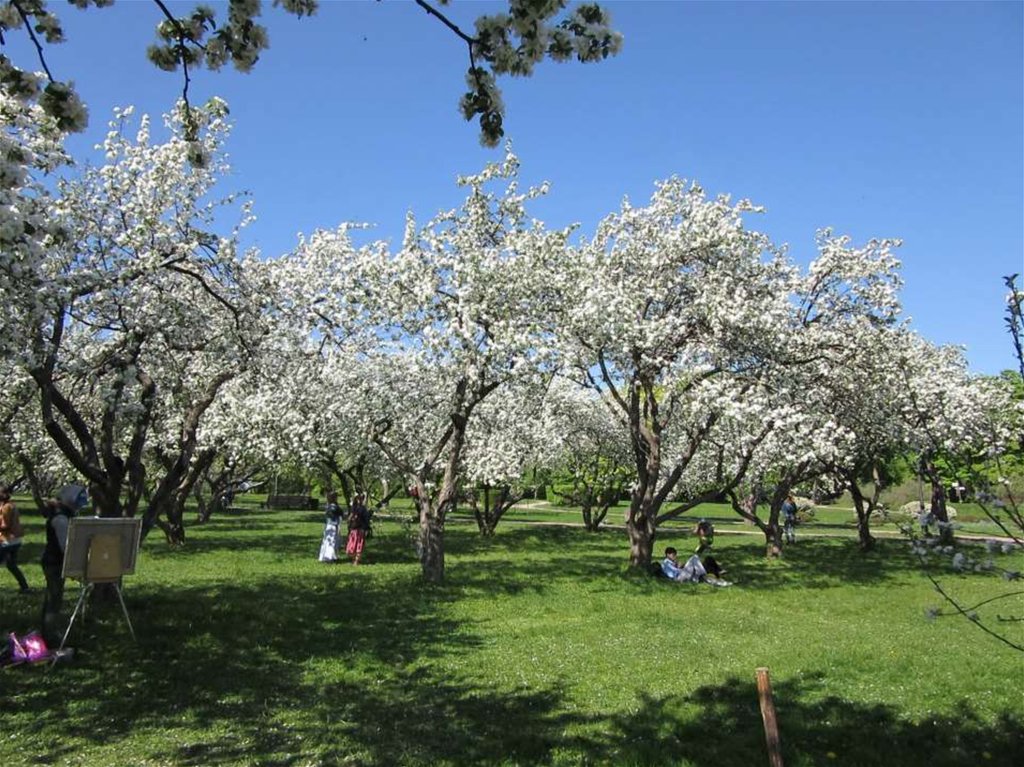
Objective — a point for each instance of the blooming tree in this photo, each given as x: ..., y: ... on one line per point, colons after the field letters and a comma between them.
x: 849, y: 342
x: 128, y: 313
x: 309, y: 408
x: 27, y: 455
x: 947, y: 412
x: 593, y: 450
x: 974, y: 427
x: 511, y: 436
x: 670, y: 312
x: 441, y: 324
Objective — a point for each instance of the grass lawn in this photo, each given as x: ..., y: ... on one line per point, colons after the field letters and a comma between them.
x: 539, y: 649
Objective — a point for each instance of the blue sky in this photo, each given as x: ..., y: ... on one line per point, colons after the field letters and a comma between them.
x: 877, y: 119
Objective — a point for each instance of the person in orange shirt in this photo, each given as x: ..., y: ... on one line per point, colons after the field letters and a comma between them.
x: 11, y: 533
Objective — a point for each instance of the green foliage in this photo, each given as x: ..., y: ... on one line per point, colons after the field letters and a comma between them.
x: 538, y: 649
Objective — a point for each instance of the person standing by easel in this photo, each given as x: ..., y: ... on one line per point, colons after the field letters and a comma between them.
x: 11, y: 532
x: 58, y: 512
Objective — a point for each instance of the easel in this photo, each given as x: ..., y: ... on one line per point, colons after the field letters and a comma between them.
x: 103, y: 565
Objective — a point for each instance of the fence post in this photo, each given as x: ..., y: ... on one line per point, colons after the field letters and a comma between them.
x: 771, y: 726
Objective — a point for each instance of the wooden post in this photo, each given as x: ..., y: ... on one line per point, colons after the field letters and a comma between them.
x: 771, y: 727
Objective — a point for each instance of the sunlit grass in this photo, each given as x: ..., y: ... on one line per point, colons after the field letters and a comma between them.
x: 540, y: 648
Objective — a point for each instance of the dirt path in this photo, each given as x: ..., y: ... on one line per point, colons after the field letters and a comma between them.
x: 804, y: 531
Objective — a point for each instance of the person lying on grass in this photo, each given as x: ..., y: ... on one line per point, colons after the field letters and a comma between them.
x: 693, y: 571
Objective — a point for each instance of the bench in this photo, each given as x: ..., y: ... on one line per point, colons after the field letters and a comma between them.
x: 291, y: 502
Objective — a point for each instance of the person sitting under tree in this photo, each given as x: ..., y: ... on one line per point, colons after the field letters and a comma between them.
x: 693, y: 571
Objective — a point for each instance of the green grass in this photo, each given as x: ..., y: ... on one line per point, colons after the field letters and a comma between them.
x: 540, y: 648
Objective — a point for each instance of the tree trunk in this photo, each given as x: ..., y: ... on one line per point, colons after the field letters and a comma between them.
x: 641, y: 531
x: 772, y: 539
x: 938, y: 504
x: 494, y: 508
x: 641, y: 546
x: 431, y: 545
x: 867, y: 541
x: 587, y: 505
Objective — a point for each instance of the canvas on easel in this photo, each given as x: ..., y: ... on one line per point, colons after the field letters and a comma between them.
x: 100, y: 550
x: 103, y: 561
x: 82, y: 531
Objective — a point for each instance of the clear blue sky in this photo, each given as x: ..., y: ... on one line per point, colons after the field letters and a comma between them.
x: 877, y: 119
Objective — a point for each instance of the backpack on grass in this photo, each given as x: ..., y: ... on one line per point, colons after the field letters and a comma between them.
x: 29, y: 648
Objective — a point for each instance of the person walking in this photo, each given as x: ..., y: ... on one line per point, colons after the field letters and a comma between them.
x: 358, y: 524
x: 11, y: 533
x: 789, y: 518
x: 329, y: 543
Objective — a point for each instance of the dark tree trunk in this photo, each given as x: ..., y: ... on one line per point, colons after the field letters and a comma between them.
x: 771, y: 529
x: 863, y: 509
x: 641, y: 545
x: 772, y: 539
x: 596, y: 505
x: 493, y: 508
x: 938, y: 503
x: 642, y: 529
x: 586, y: 499
x: 431, y: 535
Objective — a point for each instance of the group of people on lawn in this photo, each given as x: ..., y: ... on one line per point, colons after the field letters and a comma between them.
x: 695, y: 569
x: 707, y: 570
x: 58, y: 512
x: 358, y: 523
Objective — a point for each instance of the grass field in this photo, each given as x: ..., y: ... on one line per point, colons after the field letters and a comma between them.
x: 539, y: 649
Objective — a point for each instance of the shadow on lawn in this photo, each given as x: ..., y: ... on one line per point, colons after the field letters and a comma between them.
x: 524, y: 559
x: 228, y: 659
x: 347, y: 666
x: 328, y: 672
x: 262, y: 538
x: 720, y: 725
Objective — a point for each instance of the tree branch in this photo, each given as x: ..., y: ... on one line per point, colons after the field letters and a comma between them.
x: 432, y: 11
x: 32, y: 36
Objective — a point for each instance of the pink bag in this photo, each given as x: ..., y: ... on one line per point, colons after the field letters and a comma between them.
x: 28, y: 649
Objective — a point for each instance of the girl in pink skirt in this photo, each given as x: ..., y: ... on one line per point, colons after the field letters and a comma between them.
x: 358, y: 524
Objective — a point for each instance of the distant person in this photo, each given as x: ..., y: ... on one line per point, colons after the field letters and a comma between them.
x: 705, y: 533
x: 58, y: 515
x: 11, y: 532
x: 329, y: 544
x: 789, y: 518
x: 925, y: 518
x: 749, y: 504
x: 358, y: 525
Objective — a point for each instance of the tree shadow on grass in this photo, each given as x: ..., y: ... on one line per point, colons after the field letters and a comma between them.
x: 519, y: 560
x: 225, y: 657
x: 261, y: 538
x: 720, y: 726
x: 411, y: 719
x: 820, y: 563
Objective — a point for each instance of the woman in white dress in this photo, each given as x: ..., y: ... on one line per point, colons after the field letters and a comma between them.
x: 329, y: 544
